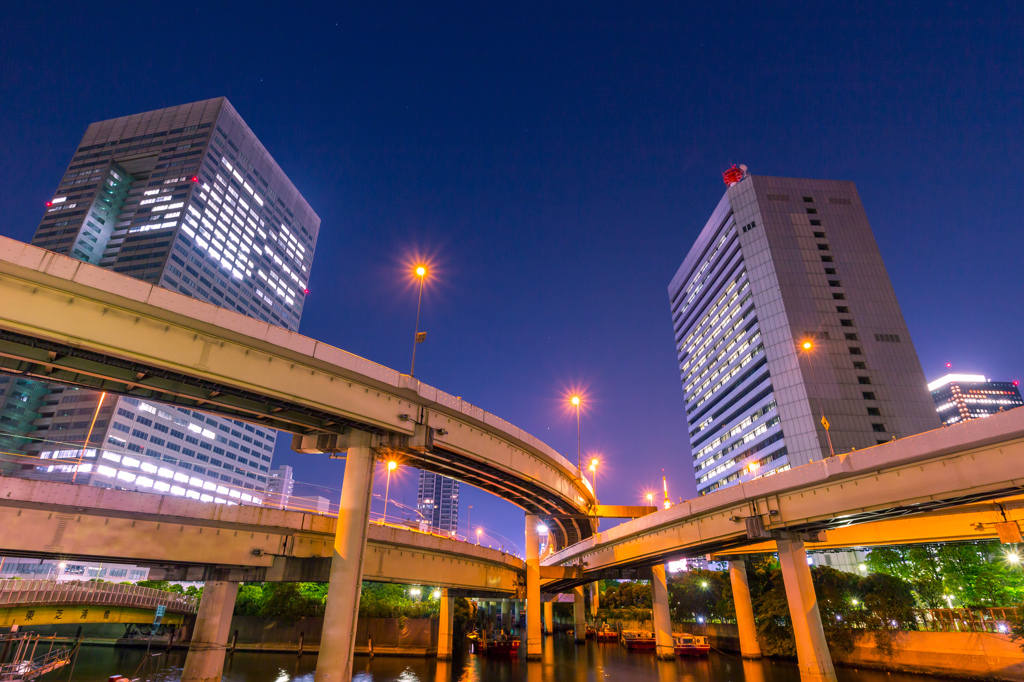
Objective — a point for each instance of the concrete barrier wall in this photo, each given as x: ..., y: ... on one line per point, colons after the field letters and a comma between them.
x: 387, y: 633
x: 958, y: 654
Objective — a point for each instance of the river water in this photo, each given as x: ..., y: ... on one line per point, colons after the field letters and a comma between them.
x: 562, y: 661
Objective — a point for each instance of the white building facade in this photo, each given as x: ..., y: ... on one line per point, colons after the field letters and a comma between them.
x: 783, y: 263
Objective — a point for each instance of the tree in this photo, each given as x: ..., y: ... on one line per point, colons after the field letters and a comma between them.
x: 887, y: 608
x: 701, y: 595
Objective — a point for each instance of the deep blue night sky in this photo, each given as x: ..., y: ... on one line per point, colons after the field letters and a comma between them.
x: 556, y: 161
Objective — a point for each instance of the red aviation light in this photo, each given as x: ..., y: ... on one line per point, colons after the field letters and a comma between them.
x: 49, y: 203
x: 305, y: 291
x: 1016, y: 383
x: 195, y: 178
x: 732, y: 176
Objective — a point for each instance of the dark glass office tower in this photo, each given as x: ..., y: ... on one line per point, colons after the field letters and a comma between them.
x: 963, y: 397
x: 186, y: 198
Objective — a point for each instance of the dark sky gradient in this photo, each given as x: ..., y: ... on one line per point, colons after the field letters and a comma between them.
x: 556, y: 161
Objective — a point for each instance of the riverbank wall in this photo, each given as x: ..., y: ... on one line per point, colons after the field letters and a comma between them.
x: 967, y: 655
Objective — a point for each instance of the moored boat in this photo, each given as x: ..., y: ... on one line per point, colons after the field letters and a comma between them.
x: 638, y: 640
x: 691, y: 645
x: 606, y: 634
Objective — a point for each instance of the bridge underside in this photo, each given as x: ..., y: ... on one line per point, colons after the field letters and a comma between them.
x: 53, y: 362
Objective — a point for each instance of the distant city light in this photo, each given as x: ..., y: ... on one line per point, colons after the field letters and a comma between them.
x: 1013, y: 558
x: 863, y: 568
x: 415, y: 591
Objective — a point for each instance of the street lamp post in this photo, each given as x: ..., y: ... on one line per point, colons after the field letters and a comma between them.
x: 575, y: 400
x: 392, y: 465
x: 808, y: 347
x: 421, y: 272
x: 593, y: 475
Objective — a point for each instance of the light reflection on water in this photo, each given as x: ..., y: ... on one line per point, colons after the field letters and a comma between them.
x: 562, y: 661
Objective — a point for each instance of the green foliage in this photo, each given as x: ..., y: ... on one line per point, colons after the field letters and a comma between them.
x: 626, y: 595
x: 886, y: 608
x: 250, y: 599
x: 382, y: 600
x: 701, y: 595
x: 974, y: 574
x: 880, y: 604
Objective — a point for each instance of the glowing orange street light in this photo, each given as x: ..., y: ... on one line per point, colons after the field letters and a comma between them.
x: 421, y: 272
x: 808, y: 347
x: 392, y: 465
x: 650, y: 498
x: 575, y: 400
x: 478, y: 532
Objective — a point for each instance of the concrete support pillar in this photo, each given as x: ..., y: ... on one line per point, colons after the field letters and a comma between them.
x: 205, y: 659
x: 579, y: 615
x: 662, y: 617
x: 533, y: 607
x: 549, y: 617
x: 749, y: 648
x: 337, y: 643
x: 595, y: 598
x: 506, y: 614
x: 446, y: 628
x: 811, y: 648
x: 515, y: 613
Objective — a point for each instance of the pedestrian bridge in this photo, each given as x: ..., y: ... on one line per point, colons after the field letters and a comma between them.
x: 187, y: 540
x: 38, y: 602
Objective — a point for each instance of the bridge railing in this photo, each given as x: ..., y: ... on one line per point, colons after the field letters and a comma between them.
x: 18, y: 592
x: 968, y: 620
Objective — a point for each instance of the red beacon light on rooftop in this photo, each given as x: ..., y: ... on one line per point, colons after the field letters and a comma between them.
x: 195, y: 178
x: 734, y: 174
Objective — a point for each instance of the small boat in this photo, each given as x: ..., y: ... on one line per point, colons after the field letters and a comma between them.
x: 606, y: 634
x: 638, y: 640
x: 505, y: 646
x: 591, y: 633
x: 691, y: 645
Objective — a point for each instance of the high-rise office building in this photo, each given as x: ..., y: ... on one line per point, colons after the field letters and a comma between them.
x: 437, y: 500
x: 188, y: 199
x: 783, y: 263
x: 280, y: 487
x: 962, y: 397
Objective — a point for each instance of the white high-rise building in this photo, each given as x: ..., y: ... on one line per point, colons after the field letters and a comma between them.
x: 783, y: 314
x: 280, y: 487
x: 186, y: 198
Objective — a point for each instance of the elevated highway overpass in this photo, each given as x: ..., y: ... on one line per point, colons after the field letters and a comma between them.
x: 187, y: 540
x: 919, y: 484
x: 69, y: 322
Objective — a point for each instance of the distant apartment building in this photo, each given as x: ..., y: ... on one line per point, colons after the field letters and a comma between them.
x: 437, y: 500
x: 781, y: 264
x: 963, y: 397
x: 185, y: 198
x: 68, y: 570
